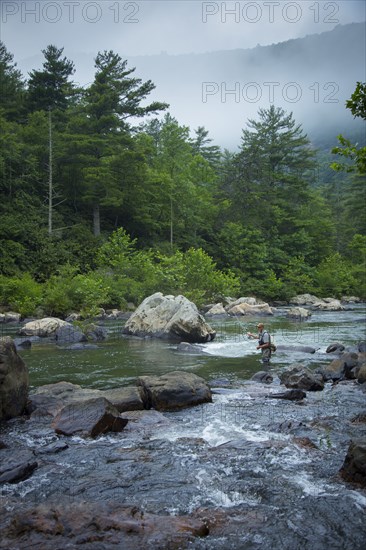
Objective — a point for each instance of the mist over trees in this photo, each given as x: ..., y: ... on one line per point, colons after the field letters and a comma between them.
x: 106, y: 198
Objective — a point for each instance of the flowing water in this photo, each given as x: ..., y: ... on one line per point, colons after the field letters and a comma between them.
x: 238, y: 461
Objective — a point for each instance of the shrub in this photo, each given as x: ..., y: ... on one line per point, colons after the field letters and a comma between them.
x: 21, y: 294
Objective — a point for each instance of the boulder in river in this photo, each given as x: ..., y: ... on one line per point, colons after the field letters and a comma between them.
x: 337, y: 347
x: 217, y: 310
x: 89, y: 418
x: 14, y: 380
x: 48, y: 400
x: 354, y: 466
x: 302, y: 378
x: 43, y: 327
x: 174, y: 391
x: 245, y: 308
x: 171, y: 317
x: 345, y: 366
x: 298, y: 313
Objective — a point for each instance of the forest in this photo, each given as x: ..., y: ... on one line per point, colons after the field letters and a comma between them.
x: 107, y: 198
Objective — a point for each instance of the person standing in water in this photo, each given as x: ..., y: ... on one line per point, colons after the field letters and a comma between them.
x: 264, y: 342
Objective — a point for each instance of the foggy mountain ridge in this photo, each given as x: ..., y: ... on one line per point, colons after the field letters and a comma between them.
x: 311, y: 76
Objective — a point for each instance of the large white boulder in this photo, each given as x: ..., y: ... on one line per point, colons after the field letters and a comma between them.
x: 172, y: 317
x: 43, y: 327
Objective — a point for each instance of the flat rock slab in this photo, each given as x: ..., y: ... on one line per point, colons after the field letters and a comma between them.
x: 51, y: 398
x: 99, y: 525
x: 89, y: 418
x: 174, y: 391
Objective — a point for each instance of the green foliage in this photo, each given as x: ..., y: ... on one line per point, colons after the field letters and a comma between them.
x: 267, y: 221
x: 334, y: 277
x: 22, y: 295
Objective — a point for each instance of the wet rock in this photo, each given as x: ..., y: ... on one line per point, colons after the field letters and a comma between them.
x: 43, y: 327
x: 186, y: 347
x: 14, y: 473
x: 89, y: 419
x: 245, y: 308
x: 100, y: 525
x: 10, y: 317
x: 340, y: 368
x: 291, y: 395
x: 125, y: 399
x: 49, y: 399
x: 362, y: 347
x: 361, y: 374
x: 329, y: 304
x: 217, y: 310
x: 173, y: 391
x: 69, y: 334
x: 335, y: 348
x: 305, y: 300
x: 52, y: 448
x: 80, y: 346
x: 22, y: 343
x: 298, y: 313
x: 301, y: 378
x: 171, y: 317
x: 354, y: 466
x: 303, y: 349
x: 96, y: 333
x: 305, y: 442
x: 262, y: 376
x: 14, y: 380
x: 351, y: 299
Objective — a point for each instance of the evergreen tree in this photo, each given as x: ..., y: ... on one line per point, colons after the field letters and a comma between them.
x: 51, y: 88
x: 200, y: 146
x: 11, y: 86
x: 101, y: 137
x: 270, y: 183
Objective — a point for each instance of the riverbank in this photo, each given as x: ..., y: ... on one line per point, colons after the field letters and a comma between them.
x: 243, y: 471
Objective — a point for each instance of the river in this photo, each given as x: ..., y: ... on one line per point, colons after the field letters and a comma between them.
x: 263, y: 471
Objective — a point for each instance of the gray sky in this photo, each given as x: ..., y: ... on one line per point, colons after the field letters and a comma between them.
x: 135, y: 28
x: 151, y: 27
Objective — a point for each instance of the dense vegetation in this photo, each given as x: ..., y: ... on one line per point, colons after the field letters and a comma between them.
x: 105, y: 198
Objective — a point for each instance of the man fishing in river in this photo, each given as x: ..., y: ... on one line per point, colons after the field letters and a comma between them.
x: 264, y: 342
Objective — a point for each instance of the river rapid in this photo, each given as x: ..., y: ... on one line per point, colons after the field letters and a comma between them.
x: 261, y: 472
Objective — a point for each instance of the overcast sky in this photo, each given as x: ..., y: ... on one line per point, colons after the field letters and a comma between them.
x: 151, y: 27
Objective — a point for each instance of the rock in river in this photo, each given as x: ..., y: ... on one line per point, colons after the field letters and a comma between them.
x: 172, y: 317
x: 175, y: 390
x: 90, y: 418
x: 14, y: 381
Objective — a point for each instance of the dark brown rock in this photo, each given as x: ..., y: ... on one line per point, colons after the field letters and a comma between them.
x: 89, y: 418
x: 14, y: 471
x: 354, y: 466
x: 14, y: 380
x: 100, y: 525
x: 299, y: 377
x: 173, y: 391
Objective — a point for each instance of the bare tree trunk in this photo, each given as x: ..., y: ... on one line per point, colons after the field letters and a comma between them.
x: 50, y: 174
x: 171, y: 221
x: 96, y: 220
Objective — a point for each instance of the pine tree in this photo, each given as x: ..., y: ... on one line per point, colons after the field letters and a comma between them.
x: 51, y: 88
x: 11, y: 86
